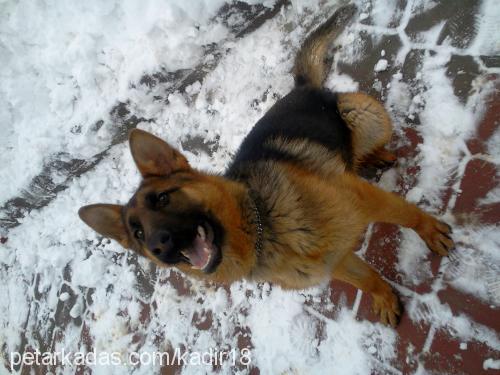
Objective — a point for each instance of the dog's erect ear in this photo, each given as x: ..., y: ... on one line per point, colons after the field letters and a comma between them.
x: 105, y: 219
x: 153, y: 156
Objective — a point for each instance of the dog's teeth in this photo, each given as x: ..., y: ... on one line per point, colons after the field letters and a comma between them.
x: 206, y: 250
x: 201, y: 232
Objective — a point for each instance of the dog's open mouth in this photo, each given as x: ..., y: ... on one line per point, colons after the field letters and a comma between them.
x: 203, y: 253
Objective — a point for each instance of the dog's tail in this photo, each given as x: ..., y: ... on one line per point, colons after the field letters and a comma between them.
x: 309, y: 68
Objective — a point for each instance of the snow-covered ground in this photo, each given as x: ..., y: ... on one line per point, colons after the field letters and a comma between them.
x: 68, y: 66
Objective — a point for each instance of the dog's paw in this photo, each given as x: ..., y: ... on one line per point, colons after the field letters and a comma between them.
x: 436, y: 234
x: 380, y: 159
x: 387, y: 306
x: 384, y: 158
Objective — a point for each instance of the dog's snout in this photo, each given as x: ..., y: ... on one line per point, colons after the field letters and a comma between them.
x: 160, y: 243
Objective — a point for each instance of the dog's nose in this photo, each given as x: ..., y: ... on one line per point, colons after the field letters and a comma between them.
x: 160, y: 243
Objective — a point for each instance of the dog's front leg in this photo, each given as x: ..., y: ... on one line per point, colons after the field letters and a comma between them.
x: 356, y: 272
x: 377, y: 205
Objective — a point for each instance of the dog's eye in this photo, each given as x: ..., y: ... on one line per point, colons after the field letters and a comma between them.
x: 163, y: 199
x: 139, y: 234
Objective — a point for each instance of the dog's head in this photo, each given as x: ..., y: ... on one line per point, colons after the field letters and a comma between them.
x: 178, y: 216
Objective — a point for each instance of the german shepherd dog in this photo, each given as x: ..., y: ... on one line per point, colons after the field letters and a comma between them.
x: 290, y: 208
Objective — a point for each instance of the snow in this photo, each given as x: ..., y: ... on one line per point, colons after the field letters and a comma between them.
x: 64, y: 296
x: 71, y: 64
x: 488, y: 25
x: 383, y: 12
x: 59, y: 80
x: 492, y: 364
x: 381, y: 65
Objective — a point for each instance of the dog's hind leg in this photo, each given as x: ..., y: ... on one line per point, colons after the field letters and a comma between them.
x: 356, y: 272
x: 371, y: 128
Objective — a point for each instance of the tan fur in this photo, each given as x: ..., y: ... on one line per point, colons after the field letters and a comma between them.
x: 368, y: 120
x: 317, y: 158
x: 214, y: 194
x: 309, y: 63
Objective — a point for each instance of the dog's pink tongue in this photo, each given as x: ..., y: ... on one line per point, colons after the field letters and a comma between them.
x: 199, y: 254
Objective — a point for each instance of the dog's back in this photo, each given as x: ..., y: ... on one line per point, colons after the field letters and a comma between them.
x: 307, y: 118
